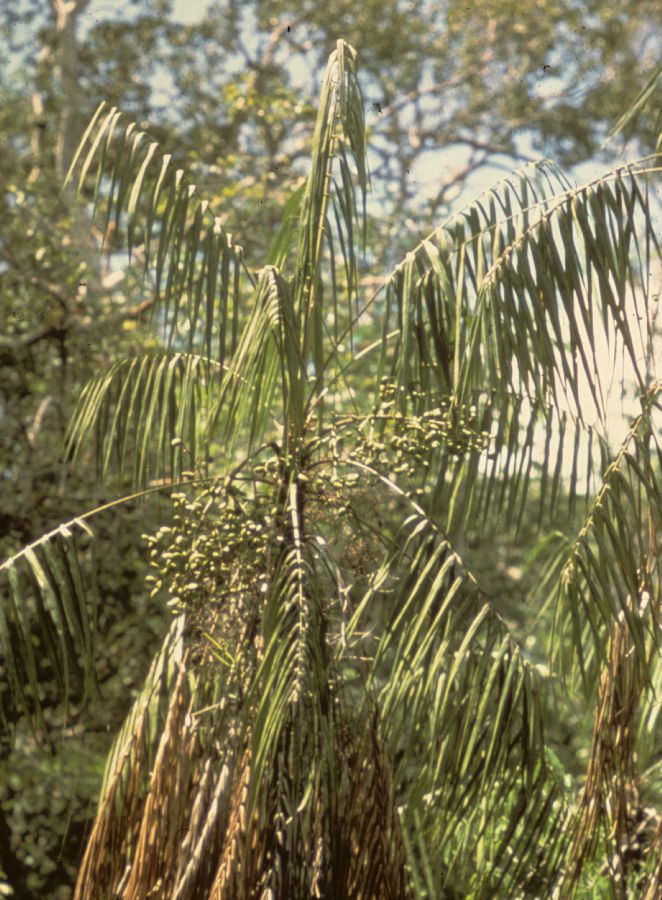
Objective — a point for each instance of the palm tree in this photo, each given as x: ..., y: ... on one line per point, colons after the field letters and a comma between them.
x: 339, y: 707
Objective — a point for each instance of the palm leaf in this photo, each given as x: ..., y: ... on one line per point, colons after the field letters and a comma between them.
x: 47, y: 619
x: 524, y: 304
x: 462, y: 712
x: 611, y: 571
x: 535, y: 304
x: 133, y: 752
x: 48, y: 612
x: 147, y: 414
x: 339, y: 136
x: 244, y: 407
x: 197, y: 268
x: 432, y: 293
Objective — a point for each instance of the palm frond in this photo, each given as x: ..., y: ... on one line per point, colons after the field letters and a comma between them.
x: 462, y: 717
x: 536, y: 303
x: 197, y: 272
x: 197, y: 268
x: 48, y: 615
x: 339, y: 136
x: 48, y: 619
x: 611, y: 571
x: 185, y: 782
x: 526, y: 448
x: 290, y: 669
x: 146, y: 415
x: 244, y: 406
x: 431, y: 295
x: 527, y: 302
x: 133, y: 753
x: 375, y: 862
x: 610, y: 797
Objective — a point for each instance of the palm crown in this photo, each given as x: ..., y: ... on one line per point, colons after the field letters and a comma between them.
x: 339, y: 708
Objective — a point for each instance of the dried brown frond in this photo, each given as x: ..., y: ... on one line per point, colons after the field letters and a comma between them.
x: 610, y: 797
x: 167, y: 805
x: 226, y: 883
x: 149, y: 821
x: 373, y: 855
x: 206, y: 831
x: 107, y: 854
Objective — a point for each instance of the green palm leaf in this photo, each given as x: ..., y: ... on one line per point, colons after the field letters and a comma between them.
x: 196, y: 267
x: 462, y: 715
x: 611, y: 572
x: 146, y: 414
x: 47, y: 617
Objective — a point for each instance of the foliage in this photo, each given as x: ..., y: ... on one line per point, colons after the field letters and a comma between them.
x: 340, y: 707
x: 63, y: 315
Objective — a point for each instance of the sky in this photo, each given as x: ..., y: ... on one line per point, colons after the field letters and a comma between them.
x: 190, y: 11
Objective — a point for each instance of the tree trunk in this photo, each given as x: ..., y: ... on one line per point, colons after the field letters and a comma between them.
x: 66, y: 69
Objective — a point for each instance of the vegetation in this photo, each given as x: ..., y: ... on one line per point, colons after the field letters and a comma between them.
x: 340, y: 707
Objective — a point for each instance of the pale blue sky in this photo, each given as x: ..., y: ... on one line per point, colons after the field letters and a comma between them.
x: 190, y: 10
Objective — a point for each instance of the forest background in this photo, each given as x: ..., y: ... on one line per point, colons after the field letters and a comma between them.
x: 455, y: 93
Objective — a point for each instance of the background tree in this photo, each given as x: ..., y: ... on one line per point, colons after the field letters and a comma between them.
x: 339, y: 706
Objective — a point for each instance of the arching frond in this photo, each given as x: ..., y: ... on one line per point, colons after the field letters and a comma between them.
x: 48, y: 614
x: 146, y: 415
x: 529, y: 303
x: 578, y: 277
x: 462, y: 717
x: 196, y: 267
x: 47, y: 619
x: 611, y: 571
x: 431, y: 295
